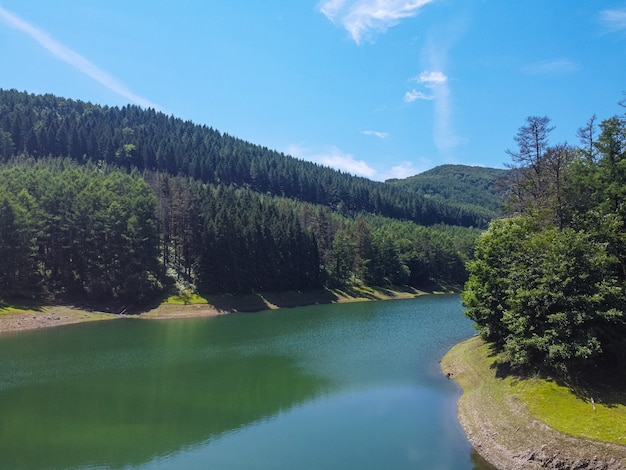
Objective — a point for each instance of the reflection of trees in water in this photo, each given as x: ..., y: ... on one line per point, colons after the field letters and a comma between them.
x: 126, y: 417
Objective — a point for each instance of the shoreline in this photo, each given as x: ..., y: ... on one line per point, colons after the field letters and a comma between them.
x: 48, y: 316
x: 501, y: 428
x: 497, y: 424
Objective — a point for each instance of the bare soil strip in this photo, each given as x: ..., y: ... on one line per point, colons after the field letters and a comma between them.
x: 12, y: 319
x: 502, y: 430
x: 47, y: 317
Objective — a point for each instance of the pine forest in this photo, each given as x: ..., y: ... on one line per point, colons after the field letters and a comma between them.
x: 126, y: 204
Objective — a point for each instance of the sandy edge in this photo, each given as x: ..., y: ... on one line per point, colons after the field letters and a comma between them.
x: 508, y: 437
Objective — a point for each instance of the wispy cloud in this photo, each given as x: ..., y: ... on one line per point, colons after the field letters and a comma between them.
x: 334, y: 158
x: 363, y: 18
x: 406, y: 169
x: 380, y: 135
x: 73, y: 58
x: 430, y: 78
x: 434, y: 57
x: 614, y: 20
x: 414, y: 95
x: 551, y: 67
x: 444, y: 136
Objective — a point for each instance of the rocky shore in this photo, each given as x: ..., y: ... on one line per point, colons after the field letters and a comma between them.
x: 502, y: 430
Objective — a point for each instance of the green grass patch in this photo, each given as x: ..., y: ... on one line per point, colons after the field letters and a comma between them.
x: 561, y: 409
x: 6, y: 309
x: 360, y: 293
x: 473, y: 364
x: 286, y: 299
x: 185, y: 298
x: 20, y: 306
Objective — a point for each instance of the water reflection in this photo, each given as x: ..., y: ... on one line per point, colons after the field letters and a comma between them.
x: 133, y: 411
x: 334, y: 386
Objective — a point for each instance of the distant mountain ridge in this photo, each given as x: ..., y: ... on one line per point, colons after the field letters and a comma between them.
x: 475, y: 188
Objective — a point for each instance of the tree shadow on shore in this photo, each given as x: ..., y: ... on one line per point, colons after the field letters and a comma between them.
x: 300, y: 298
x: 600, y: 384
x: 605, y: 385
x: 27, y: 305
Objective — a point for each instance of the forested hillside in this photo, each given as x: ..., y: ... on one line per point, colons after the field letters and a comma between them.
x: 473, y: 188
x: 124, y: 204
x: 131, y: 137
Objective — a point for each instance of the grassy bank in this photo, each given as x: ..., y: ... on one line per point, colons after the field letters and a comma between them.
x: 532, y: 423
x: 273, y: 300
x: 29, y: 315
x: 186, y: 304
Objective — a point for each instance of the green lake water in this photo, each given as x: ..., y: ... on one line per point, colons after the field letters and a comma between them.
x: 349, y: 386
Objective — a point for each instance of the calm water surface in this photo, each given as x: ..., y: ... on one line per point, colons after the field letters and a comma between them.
x: 351, y: 386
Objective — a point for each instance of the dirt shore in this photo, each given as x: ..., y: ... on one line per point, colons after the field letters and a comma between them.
x: 48, y: 317
x: 502, y: 430
x: 29, y: 318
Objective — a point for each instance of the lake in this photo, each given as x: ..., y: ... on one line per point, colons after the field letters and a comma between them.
x: 342, y: 386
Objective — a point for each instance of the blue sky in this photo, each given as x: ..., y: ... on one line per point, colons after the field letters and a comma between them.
x: 378, y: 88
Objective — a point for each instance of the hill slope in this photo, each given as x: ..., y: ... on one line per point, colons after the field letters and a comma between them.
x: 470, y: 187
x: 131, y: 137
x: 118, y: 203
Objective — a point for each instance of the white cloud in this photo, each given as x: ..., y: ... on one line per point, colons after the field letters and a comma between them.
x: 435, y: 57
x: 431, y: 79
x: 444, y: 135
x: 73, y: 58
x: 347, y: 162
x: 380, y: 135
x: 363, y: 18
x: 614, y: 20
x: 413, y: 95
x: 551, y: 67
x: 331, y: 8
x: 406, y: 169
x: 334, y: 158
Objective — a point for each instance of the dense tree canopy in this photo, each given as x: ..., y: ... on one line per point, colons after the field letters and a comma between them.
x: 131, y: 137
x: 475, y: 188
x: 548, y: 285
x: 76, y: 231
